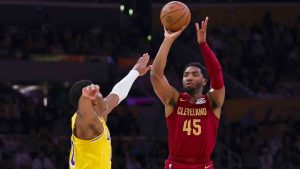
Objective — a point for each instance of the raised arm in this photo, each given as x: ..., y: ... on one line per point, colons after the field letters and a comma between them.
x: 214, y: 69
x: 86, y: 116
x: 165, y: 92
x: 122, y: 88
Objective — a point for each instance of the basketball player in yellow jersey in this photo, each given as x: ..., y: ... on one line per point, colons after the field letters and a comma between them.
x: 90, y: 140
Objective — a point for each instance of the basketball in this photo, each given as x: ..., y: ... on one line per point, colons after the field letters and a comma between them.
x: 174, y: 15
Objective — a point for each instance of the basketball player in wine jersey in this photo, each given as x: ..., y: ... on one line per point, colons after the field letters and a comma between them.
x: 90, y: 140
x: 192, y: 117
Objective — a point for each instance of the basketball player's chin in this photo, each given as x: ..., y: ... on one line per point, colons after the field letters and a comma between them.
x: 189, y: 90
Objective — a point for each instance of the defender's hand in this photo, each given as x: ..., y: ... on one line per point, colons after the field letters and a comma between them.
x: 91, y: 91
x: 201, y: 32
x: 141, y: 65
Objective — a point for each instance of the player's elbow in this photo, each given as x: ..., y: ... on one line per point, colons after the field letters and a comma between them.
x: 154, y: 74
x: 155, y: 77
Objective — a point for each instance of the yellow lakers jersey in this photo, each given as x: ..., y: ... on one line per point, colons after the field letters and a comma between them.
x: 91, y: 154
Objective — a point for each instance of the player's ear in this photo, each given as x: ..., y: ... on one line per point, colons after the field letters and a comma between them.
x: 204, y: 81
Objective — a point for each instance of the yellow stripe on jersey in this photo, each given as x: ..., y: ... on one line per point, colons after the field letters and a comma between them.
x: 90, y: 154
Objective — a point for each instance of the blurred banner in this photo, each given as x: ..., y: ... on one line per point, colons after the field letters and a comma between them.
x: 260, y: 109
x: 28, y: 71
x: 59, y: 11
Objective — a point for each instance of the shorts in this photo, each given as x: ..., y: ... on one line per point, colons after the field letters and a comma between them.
x: 175, y: 165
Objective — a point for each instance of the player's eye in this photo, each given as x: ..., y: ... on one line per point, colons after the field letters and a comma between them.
x: 196, y: 74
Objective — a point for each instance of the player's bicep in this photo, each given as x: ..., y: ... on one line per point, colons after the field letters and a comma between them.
x: 165, y: 92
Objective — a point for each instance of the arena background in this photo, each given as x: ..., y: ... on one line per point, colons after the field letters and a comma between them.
x: 47, y: 45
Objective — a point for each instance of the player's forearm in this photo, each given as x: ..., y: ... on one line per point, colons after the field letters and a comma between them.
x: 123, y: 87
x: 160, y: 61
x: 85, y: 107
x: 213, y: 66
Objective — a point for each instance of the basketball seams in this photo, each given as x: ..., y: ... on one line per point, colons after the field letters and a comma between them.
x: 178, y: 19
x: 175, y: 16
x: 188, y: 18
x: 172, y: 12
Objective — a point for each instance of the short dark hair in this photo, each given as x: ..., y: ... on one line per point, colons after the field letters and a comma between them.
x: 201, y: 67
x: 75, y: 91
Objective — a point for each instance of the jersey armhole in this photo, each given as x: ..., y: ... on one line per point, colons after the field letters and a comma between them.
x: 174, y: 106
x: 209, y: 102
x: 77, y: 139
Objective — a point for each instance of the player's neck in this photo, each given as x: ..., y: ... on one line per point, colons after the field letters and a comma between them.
x: 197, y: 94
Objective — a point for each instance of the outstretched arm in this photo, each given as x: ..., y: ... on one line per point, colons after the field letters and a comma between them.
x: 213, y: 67
x: 165, y: 92
x: 122, y: 88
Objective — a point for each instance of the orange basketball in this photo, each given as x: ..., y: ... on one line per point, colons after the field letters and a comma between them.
x: 175, y: 15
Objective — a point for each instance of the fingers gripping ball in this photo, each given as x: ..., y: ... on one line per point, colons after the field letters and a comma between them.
x: 175, y: 15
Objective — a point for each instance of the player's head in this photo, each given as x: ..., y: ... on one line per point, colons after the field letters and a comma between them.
x: 76, y: 91
x: 194, y: 77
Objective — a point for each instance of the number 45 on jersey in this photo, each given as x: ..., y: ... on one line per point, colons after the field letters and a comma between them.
x: 192, y: 126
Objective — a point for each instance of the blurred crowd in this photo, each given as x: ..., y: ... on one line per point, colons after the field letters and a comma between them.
x: 185, y: 1
x: 35, y: 136
x: 270, y: 143
x: 21, y: 40
x: 264, y: 57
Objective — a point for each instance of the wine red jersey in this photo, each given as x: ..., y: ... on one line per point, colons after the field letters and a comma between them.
x: 192, y: 130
